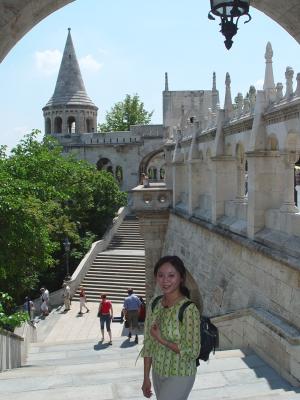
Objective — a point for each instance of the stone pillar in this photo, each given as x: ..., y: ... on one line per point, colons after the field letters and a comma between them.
x: 223, y: 186
x: 240, y: 182
x: 289, y: 202
x: 264, y: 187
x: 153, y: 226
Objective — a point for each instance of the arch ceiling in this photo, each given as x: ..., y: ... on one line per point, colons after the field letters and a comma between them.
x: 17, y: 17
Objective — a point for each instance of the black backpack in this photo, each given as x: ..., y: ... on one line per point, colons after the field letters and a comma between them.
x: 208, y: 331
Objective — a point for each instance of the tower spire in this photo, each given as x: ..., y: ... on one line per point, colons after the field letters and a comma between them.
x: 69, y: 87
x: 214, y: 94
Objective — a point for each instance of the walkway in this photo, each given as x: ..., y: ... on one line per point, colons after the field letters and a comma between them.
x: 69, y: 363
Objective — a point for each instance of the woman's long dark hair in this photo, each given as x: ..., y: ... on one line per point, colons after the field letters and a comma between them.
x: 177, y: 263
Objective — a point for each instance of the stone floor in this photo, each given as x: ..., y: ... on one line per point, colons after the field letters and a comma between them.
x: 69, y: 362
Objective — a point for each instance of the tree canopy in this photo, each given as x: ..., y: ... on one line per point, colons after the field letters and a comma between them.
x: 45, y: 197
x: 131, y: 111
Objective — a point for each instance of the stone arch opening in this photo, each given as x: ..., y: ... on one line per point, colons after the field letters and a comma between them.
x: 71, y: 123
x: 89, y: 125
x: 48, y: 126
x: 14, y: 25
x: 58, y: 125
x: 104, y: 164
x: 149, y: 161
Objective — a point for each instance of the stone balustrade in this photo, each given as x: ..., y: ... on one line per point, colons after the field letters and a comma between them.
x: 155, y: 198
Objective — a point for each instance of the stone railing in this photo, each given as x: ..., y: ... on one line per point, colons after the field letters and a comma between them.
x: 14, y: 346
x: 275, y: 340
x: 155, y: 198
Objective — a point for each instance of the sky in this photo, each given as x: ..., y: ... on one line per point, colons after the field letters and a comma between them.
x: 125, y: 47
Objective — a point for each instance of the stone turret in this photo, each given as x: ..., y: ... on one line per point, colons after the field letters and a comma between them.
x: 70, y: 111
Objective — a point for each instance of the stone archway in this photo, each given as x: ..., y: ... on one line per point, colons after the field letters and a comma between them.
x: 18, y: 17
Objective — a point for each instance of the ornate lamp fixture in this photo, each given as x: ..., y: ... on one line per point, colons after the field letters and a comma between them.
x: 227, y: 10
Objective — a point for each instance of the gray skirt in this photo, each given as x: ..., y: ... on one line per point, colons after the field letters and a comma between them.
x: 172, y: 387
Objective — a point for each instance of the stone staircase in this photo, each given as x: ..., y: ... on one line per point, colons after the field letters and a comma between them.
x: 121, y: 266
x: 87, y: 369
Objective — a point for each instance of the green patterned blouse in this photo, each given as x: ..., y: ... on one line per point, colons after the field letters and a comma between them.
x: 185, y: 334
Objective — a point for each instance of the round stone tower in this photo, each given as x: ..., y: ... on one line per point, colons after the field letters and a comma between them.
x: 70, y: 111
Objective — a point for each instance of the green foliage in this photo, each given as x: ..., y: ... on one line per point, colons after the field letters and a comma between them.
x: 10, y: 319
x: 44, y: 197
x: 125, y: 113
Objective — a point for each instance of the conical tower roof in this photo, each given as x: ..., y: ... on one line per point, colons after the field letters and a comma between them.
x: 70, y: 89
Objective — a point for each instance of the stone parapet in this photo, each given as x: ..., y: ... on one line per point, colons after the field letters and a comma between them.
x: 275, y: 340
x: 154, y: 199
x: 14, y: 346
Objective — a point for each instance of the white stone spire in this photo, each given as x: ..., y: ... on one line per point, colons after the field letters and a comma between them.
x: 166, y: 82
x: 269, y: 84
x: 228, y: 101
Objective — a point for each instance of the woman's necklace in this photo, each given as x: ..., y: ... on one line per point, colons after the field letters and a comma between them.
x: 169, y: 303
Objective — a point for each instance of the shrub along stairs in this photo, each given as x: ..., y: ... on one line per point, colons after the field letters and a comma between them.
x: 121, y: 266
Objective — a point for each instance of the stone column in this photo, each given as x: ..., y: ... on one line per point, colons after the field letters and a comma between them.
x: 153, y: 226
x: 264, y: 187
x: 240, y: 182
x: 223, y: 186
x: 288, y: 205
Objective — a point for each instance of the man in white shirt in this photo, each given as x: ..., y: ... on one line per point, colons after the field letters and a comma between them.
x: 132, y: 306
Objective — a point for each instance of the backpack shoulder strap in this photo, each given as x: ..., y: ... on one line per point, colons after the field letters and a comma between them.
x: 182, y: 309
x: 155, y: 301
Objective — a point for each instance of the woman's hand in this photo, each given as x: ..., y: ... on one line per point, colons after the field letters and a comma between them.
x: 146, y: 388
x: 155, y: 331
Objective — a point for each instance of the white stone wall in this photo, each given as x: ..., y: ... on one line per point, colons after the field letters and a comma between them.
x: 232, y: 275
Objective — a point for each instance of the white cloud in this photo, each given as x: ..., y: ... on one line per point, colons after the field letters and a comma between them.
x: 88, y: 63
x: 259, y: 84
x: 48, y: 61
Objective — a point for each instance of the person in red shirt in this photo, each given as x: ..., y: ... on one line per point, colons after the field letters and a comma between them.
x: 106, y: 315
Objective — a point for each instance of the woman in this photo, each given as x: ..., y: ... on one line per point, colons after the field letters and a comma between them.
x: 106, y: 315
x: 170, y: 346
x: 82, y: 299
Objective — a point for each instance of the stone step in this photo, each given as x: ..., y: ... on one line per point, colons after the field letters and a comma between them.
x: 93, y: 370
x: 113, y: 279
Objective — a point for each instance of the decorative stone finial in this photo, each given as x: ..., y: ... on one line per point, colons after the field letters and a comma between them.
x: 214, y: 86
x: 228, y: 102
x: 252, y: 98
x: 239, y: 103
x: 166, y: 82
x: 269, y: 84
x: 279, y: 91
x: 69, y: 29
x: 269, y: 52
x: 289, y: 73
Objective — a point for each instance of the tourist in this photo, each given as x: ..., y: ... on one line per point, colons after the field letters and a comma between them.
x: 67, y: 296
x: 28, y: 306
x: 105, y: 313
x: 170, y: 347
x: 131, y: 307
x: 45, y: 298
x: 82, y: 299
x: 145, y: 180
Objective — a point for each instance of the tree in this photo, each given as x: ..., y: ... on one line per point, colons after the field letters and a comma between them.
x: 125, y: 113
x: 44, y: 197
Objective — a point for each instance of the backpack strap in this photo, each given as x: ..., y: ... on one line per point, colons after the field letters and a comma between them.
x: 155, y: 301
x: 182, y: 308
